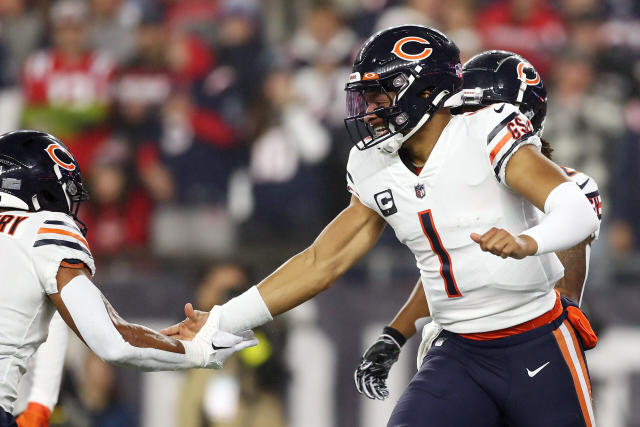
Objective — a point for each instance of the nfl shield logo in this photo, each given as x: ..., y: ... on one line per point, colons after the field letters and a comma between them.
x: 420, y: 191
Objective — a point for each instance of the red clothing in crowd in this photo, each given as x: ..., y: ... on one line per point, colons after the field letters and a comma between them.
x: 116, y: 227
x: 49, y: 79
x: 533, y: 35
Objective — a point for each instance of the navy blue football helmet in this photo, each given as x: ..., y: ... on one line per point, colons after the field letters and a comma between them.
x: 501, y: 76
x: 403, y: 62
x: 38, y: 172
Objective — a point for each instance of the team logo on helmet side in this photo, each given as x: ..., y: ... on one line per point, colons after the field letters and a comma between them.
x: 51, y: 151
x: 521, y: 74
x: 398, y: 49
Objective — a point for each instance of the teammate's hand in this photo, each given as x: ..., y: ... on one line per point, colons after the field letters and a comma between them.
x: 189, y: 327
x: 371, y: 375
x: 36, y: 415
x: 216, y: 346
x: 500, y: 242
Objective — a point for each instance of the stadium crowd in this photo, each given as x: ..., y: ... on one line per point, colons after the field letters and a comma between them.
x: 206, y: 128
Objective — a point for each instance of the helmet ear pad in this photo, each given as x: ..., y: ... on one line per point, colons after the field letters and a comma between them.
x: 52, y: 199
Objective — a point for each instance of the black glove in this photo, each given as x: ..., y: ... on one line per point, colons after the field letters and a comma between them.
x: 371, y: 375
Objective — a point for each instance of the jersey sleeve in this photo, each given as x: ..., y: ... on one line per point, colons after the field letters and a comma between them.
x: 590, y: 189
x: 58, y: 241
x: 507, y: 130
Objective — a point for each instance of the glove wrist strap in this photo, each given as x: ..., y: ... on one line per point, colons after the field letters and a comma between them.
x: 395, y: 334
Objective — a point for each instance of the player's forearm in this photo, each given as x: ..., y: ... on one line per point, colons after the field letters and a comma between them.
x: 296, y: 281
x: 415, y: 308
x: 568, y: 220
x: 576, y: 262
x: 85, y: 306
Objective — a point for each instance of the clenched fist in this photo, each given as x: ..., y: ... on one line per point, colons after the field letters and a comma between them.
x: 500, y: 242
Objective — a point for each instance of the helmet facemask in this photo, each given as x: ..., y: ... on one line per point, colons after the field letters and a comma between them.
x: 73, y: 191
x: 413, y: 99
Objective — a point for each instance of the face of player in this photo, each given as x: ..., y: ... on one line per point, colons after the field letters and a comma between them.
x: 375, y: 100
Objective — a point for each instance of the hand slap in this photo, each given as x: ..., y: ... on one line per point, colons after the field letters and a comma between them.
x: 189, y: 327
x: 501, y: 243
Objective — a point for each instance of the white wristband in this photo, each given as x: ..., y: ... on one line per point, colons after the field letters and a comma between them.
x: 244, y: 312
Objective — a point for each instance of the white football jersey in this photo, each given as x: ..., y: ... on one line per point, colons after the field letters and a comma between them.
x: 33, y: 246
x: 459, y: 191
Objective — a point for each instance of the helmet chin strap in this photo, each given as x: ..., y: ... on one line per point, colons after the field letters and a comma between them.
x: 392, y: 144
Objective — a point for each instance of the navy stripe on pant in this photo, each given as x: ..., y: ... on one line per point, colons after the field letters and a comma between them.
x: 525, y: 380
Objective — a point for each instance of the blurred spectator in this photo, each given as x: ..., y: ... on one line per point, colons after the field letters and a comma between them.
x: 285, y: 162
x: 420, y: 12
x: 247, y: 392
x: 93, y: 400
x: 323, y: 46
x: 583, y: 121
x: 458, y: 23
x: 112, y: 27
x: 624, y: 232
x: 243, y: 62
x: 21, y: 29
x: 199, y: 150
x: 190, y: 16
x: 67, y: 87
x: 531, y: 28
x: 118, y: 212
x: 10, y: 94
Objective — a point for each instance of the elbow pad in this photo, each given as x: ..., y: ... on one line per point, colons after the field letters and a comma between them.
x: 569, y: 219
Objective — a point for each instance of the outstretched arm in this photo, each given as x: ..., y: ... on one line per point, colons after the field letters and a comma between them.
x: 93, y: 319
x: 343, y: 242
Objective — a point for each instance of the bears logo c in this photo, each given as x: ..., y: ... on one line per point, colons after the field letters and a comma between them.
x: 521, y: 75
x: 398, y: 49
x: 51, y: 150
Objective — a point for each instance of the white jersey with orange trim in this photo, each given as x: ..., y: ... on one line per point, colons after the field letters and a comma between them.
x: 462, y: 190
x: 33, y: 246
x: 589, y: 187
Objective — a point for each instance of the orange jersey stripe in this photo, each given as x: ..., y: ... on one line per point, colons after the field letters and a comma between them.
x: 44, y: 230
x: 564, y: 349
x: 498, y: 147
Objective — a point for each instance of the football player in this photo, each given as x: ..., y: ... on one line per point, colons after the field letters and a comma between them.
x: 461, y: 193
x: 46, y: 265
x: 488, y: 78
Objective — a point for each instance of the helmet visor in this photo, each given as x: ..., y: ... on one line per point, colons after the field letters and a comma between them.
x: 356, y: 104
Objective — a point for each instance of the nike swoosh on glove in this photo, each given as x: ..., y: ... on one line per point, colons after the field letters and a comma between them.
x: 221, y: 344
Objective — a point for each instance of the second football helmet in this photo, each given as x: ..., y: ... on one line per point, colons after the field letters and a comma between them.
x: 38, y: 172
x: 417, y: 67
x: 501, y: 76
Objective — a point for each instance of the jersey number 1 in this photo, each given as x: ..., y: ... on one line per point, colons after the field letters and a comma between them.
x: 426, y: 220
